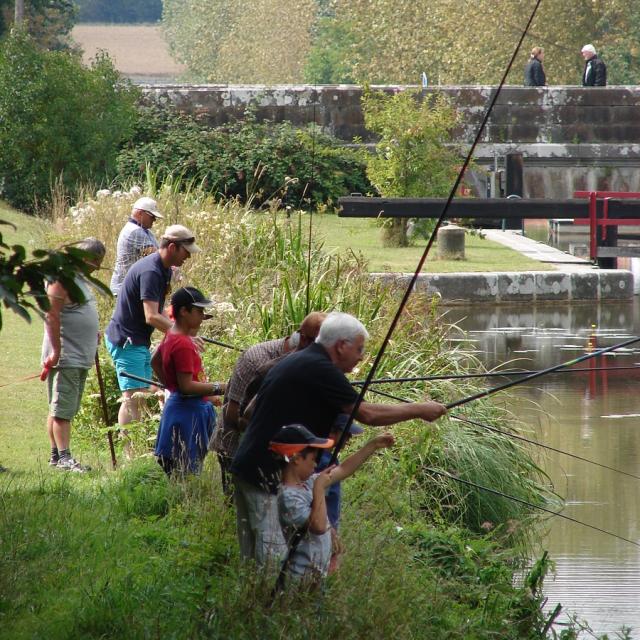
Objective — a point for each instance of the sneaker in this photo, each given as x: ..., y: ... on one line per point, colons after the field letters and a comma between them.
x: 53, y: 461
x: 71, y: 464
x: 3, y: 469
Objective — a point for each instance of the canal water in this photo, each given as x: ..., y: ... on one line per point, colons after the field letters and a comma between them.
x: 595, y: 415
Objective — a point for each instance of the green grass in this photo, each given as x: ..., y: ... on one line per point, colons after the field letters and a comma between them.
x: 23, y: 439
x: 363, y: 236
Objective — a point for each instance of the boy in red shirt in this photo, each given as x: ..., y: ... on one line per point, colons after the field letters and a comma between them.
x: 188, y: 418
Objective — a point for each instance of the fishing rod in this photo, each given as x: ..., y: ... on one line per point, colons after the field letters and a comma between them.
x: 489, y: 374
x: 147, y: 381
x: 510, y: 434
x: 445, y: 474
x: 222, y: 344
x: 412, y: 282
x: 538, y: 374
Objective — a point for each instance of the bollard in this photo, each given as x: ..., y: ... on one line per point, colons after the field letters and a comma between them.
x: 451, y: 243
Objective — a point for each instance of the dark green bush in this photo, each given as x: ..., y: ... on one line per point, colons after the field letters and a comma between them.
x: 60, y: 122
x: 250, y: 160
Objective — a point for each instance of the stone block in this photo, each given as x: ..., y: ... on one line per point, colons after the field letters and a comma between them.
x: 615, y: 284
x: 584, y: 285
x: 467, y: 287
x: 552, y: 286
x: 516, y: 287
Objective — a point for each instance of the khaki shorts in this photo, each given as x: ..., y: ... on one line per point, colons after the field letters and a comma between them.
x: 64, y: 390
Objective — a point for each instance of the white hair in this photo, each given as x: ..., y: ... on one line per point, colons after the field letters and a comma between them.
x: 340, y: 326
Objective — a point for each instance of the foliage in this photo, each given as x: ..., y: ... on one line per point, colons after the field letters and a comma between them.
x: 119, y: 11
x: 48, y: 22
x: 220, y: 42
x: 414, y: 157
x: 22, y: 280
x: 329, y: 60
x: 250, y: 160
x: 60, y: 123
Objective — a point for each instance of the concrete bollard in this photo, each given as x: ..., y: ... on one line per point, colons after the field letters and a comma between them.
x: 451, y: 243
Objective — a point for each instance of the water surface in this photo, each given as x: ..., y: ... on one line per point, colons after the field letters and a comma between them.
x: 593, y: 414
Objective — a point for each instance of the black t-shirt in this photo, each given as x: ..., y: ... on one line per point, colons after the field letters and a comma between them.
x: 148, y: 279
x: 305, y: 388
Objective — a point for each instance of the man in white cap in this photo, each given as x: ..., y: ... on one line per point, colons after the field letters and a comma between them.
x: 595, y: 71
x: 136, y: 239
x: 139, y: 310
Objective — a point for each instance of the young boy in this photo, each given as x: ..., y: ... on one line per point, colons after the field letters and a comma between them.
x: 188, y: 418
x: 301, y: 499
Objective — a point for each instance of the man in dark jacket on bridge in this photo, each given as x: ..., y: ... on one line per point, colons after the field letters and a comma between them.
x: 595, y: 71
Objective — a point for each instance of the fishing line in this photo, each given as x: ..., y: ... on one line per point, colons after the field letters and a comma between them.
x: 432, y: 238
x: 513, y: 383
x: 445, y: 474
x: 490, y: 374
x: 510, y: 434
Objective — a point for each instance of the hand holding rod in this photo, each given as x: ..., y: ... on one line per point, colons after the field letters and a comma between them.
x: 538, y: 374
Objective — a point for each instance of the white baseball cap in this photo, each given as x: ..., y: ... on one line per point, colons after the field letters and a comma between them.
x: 147, y: 204
x: 178, y: 233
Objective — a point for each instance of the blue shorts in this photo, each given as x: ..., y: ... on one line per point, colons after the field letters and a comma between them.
x: 132, y: 358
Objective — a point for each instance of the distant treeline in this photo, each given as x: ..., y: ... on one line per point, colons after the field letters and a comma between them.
x: 120, y: 11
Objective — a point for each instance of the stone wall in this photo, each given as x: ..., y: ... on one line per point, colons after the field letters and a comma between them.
x: 571, y: 137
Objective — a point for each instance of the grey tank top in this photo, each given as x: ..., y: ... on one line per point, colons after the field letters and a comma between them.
x: 78, y: 331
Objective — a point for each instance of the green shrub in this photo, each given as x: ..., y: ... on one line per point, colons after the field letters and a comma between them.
x: 60, y: 123
x: 254, y: 161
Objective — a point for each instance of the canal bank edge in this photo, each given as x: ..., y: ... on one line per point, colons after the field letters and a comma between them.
x: 526, y: 287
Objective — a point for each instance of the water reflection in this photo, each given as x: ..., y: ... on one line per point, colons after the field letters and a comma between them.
x: 593, y: 414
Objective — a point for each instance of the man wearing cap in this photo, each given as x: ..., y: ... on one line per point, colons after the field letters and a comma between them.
x: 139, y: 310
x: 310, y: 388
x: 595, y: 70
x: 135, y: 240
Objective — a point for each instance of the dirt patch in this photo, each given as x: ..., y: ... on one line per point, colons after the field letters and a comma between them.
x: 137, y: 51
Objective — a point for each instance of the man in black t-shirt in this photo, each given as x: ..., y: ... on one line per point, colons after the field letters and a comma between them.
x: 309, y: 388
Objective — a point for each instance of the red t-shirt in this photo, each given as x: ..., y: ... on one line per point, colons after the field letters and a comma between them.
x: 180, y: 355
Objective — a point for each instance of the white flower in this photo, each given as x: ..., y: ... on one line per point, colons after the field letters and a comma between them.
x: 135, y: 190
x: 103, y: 193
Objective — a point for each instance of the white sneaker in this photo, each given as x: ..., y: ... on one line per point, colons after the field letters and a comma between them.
x: 71, y: 464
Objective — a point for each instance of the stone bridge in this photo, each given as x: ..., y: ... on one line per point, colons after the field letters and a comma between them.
x: 572, y: 138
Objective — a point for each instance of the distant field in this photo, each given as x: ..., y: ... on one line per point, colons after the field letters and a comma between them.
x: 138, y: 51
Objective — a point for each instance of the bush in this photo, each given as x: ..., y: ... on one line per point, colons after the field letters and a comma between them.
x: 59, y: 121
x: 254, y: 161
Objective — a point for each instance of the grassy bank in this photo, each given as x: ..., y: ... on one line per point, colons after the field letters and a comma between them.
x: 363, y: 236
x: 129, y: 554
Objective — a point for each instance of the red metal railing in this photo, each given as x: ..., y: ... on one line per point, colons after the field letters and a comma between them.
x: 604, y: 222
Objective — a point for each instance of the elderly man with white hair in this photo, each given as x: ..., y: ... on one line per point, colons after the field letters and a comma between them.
x: 310, y: 388
x: 595, y: 70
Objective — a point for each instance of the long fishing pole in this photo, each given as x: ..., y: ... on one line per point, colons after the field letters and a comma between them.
x: 221, y: 344
x: 423, y: 258
x: 513, y: 383
x: 490, y: 374
x: 516, y: 436
x: 445, y: 474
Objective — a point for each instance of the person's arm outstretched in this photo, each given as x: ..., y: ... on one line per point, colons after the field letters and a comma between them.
x: 334, y: 474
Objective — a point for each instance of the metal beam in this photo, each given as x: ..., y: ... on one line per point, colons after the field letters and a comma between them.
x: 480, y: 208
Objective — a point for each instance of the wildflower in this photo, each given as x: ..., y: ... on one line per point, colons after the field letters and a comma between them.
x: 103, y: 193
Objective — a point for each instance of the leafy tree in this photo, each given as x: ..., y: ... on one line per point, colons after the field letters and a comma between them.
x: 250, y: 160
x: 263, y: 41
x: 119, y: 11
x: 48, y: 22
x: 59, y: 121
x: 23, y: 281
x: 414, y: 157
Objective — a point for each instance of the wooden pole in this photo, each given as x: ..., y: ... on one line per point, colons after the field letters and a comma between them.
x: 105, y: 413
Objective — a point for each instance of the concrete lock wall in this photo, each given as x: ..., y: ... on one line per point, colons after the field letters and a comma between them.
x: 571, y: 137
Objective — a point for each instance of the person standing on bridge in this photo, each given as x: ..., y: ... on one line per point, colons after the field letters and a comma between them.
x: 595, y: 70
x: 534, y: 75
